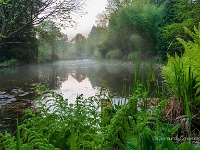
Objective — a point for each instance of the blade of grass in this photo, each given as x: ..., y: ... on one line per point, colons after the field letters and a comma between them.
x: 19, y: 147
x: 72, y: 141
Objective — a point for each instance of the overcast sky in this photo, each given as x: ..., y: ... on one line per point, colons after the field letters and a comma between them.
x: 85, y: 23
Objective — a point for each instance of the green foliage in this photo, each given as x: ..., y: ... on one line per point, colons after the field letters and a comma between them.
x: 18, y: 137
x: 8, y: 63
x: 182, y: 73
x: 11, y: 62
x: 148, y: 26
x: 122, y: 127
x: 79, y: 45
x: 94, y: 41
x: 48, y: 33
x: 7, y: 141
x: 60, y: 125
x: 103, y: 48
x: 23, y: 55
x: 63, y: 124
x: 114, y: 54
x: 61, y: 46
x: 21, y: 46
x: 186, y: 145
x: 17, y: 35
x: 132, y: 27
x: 72, y: 141
x: 178, y: 75
x: 130, y: 128
x: 18, y: 20
x: 138, y: 42
x: 44, y: 51
x: 133, y: 56
x: 192, y: 52
x: 179, y: 13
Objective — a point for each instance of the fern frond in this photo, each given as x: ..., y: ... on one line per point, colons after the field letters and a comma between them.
x: 182, y: 73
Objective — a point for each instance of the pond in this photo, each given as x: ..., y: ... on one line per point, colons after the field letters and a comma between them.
x: 69, y: 78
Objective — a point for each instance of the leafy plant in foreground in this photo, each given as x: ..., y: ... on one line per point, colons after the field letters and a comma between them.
x: 182, y: 74
x: 59, y: 125
x: 134, y: 129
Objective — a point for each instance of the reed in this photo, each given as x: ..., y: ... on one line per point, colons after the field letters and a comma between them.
x: 19, y: 147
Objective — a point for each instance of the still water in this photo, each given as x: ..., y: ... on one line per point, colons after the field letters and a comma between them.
x: 69, y: 78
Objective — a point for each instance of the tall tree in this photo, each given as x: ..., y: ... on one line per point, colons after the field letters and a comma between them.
x: 50, y: 33
x: 79, y: 42
x: 97, y: 34
x: 16, y: 17
x: 26, y: 12
x: 63, y: 44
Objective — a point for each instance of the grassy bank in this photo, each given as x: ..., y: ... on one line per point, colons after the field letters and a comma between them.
x: 9, y: 63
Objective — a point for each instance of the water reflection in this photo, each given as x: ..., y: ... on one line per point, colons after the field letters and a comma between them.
x: 72, y: 87
x: 69, y: 78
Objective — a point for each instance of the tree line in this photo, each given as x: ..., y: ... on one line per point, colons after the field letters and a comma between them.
x: 144, y: 28
x: 127, y: 29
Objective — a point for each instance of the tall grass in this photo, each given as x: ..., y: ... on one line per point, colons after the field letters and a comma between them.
x: 19, y: 147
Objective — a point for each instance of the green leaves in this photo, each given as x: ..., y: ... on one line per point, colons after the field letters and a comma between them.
x: 72, y: 141
x: 132, y: 28
x: 174, y: 129
x: 19, y: 144
x: 185, y: 145
x: 79, y: 126
x: 179, y: 13
x: 182, y: 73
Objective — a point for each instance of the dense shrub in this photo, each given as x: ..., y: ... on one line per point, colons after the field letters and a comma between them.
x: 114, y: 54
x: 133, y: 56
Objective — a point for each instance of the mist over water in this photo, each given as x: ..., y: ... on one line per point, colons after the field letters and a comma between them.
x: 68, y: 78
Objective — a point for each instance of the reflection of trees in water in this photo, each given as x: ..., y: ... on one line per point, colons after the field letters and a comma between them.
x: 79, y: 74
x: 52, y: 76
x: 112, y: 77
x: 97, y: 76
x: 115, y: 77
x: 23, y: 76
x: 118, y: 79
